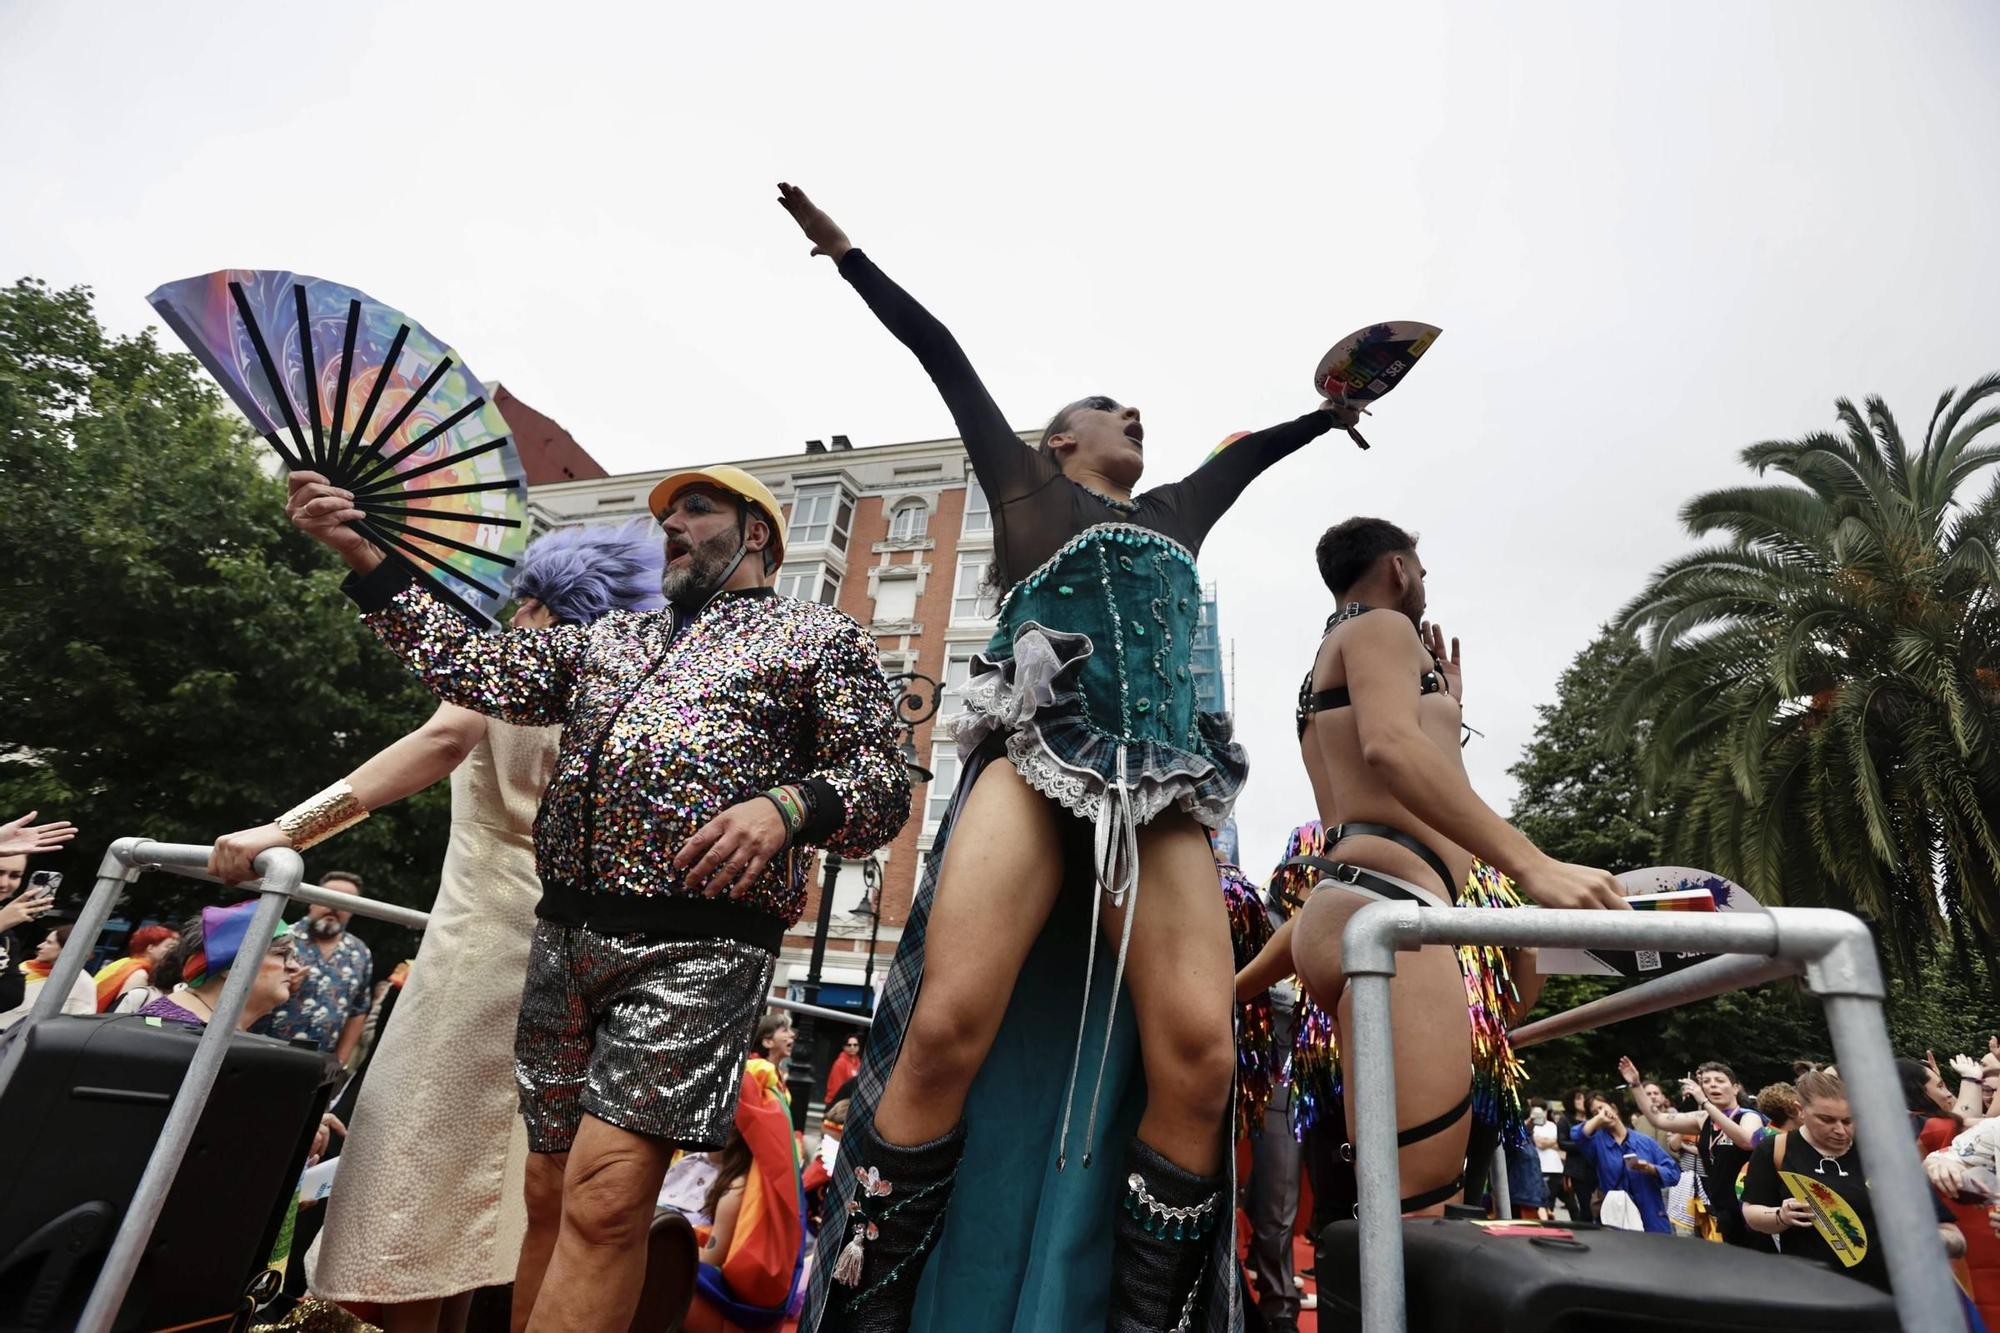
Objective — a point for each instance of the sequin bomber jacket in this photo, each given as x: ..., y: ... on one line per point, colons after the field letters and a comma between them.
x: 668, y: 721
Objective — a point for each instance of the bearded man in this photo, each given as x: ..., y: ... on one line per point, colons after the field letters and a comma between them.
x: 705, y: 748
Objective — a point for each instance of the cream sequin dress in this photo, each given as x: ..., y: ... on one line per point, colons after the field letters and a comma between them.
x: 427, y: 1202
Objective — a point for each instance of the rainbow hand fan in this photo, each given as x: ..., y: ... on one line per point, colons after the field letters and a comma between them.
x: 1657, y: 888
x: 340, y: 384
x: 1369, y: 362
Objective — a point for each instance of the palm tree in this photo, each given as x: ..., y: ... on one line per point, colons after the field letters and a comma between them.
x: 1823, y: 685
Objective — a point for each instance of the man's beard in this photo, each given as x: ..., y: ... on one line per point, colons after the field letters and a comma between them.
x: 708, y: 564
x: 325, y: 927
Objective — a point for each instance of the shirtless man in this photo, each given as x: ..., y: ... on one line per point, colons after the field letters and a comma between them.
x: 1380, y: 737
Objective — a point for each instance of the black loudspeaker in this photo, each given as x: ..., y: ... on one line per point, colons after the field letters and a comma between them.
x: 83, y: 1104
x: 1472, y: 1279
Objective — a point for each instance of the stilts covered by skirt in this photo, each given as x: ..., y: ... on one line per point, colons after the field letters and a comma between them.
x: 1085, y: 691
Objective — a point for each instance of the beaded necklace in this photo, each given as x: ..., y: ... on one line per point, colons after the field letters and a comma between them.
x: 1122, y: 506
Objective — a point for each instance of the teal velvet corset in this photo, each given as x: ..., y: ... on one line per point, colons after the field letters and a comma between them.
x: 1087, y: 682
x: 1136, y: 596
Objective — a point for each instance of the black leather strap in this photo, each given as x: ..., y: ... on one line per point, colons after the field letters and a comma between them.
x: 1428, y: 1198
x: 1401, y: 839
x: 1344, y: 872
x: 1435, y: 1125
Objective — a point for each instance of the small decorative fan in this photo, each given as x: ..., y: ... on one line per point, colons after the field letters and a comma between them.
x: 1369, y: 362
x: 340, y: 384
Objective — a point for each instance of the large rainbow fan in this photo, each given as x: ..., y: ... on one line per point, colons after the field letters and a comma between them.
x: 342, y: 385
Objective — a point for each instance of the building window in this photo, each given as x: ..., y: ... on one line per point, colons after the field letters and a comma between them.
x: 822, y: 514
x: 909, y: 521
x: 809, y: 583
x: 895, y: 599
x: 978, y: 518
x: 944, y: 781
x: 972, y: 598
x: 957, y: 671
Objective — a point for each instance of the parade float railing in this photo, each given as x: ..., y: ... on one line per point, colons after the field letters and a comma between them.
x: 1832, y: 950
x: 282, y: 876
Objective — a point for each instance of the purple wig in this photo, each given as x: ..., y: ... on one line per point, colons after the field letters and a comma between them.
x: 581, y: 573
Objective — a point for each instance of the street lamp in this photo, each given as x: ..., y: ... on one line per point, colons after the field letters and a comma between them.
x: 916, y: 703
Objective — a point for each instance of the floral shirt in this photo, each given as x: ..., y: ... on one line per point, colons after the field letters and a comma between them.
x: 337, y: 987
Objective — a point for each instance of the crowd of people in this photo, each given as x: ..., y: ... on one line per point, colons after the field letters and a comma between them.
x: 581, y: 1093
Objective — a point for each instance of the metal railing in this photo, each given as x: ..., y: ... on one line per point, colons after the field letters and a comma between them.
x: 281, y: 880
x: 1832, y: 950
x: 282, y: 874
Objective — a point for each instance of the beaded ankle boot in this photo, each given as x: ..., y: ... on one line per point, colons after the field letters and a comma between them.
x: 1160, y: 1251
x: 893, y: 1220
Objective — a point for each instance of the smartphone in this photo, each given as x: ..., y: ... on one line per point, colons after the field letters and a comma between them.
x: 44, y: 883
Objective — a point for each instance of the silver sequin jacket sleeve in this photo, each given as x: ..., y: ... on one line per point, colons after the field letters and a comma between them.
x: 525, y: 676
x: 855, y: 743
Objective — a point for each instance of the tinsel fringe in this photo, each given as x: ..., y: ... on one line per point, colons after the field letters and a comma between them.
x: 1256, y: 1029
x: 1490, y: 992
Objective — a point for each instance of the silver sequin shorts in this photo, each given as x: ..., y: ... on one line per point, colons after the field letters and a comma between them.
x: 645, y: 1033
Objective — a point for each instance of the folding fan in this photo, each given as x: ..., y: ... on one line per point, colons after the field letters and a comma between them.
x: 1369, y: 362
x: 340, y: 384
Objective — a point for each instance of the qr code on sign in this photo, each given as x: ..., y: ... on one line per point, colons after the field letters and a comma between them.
x: 1649, y: 960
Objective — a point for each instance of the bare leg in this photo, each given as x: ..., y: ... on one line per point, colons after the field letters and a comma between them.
x: 409, y: 1317
x: 1433, y: 1033
x: 453, y: 1312
x: 599, y: 1263
x: 1001, y: 871
x: 1181, y: 974
x: 543, y: 1193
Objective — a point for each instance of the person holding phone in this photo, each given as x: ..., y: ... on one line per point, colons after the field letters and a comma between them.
x: 1627, y: 1163
x: 22, y: 903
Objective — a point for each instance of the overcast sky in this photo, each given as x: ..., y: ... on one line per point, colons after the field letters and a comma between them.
x: 1652, y: 234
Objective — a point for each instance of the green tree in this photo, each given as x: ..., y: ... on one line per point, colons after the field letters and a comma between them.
x: 1582, y: 796
x: 175, y: 661
x: 1824, y: 686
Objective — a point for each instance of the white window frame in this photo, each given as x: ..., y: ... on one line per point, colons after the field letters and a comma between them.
x: 981, y: 602
x: 885, y: 579
x: 912, y: 514
x: 817, y: 582
x: 944, y: 781
x: 809, y: 527
x: 978, y: 517
x: 950, y: 704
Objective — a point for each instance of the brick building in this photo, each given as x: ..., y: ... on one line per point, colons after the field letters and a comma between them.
x: 898, y: 536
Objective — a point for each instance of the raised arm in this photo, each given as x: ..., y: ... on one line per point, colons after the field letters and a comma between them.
x: 1204, y: 495
x: 524, y: 675
x: 1381, y: 682
x: 406, y: 767
x: 1007, y: 468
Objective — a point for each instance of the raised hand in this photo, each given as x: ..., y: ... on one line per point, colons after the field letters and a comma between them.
x: 1454, y: 673
x: 827, y: 237
x: 21, y: 838
x: 1628, y: 1071
x: 321, y: 511
x: 1966, y: 1068
x: 29, y: 905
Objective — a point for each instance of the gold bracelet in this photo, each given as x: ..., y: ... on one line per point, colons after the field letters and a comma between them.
x: 319, y: 817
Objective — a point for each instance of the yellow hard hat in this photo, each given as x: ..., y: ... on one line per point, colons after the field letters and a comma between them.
x: 733, y: 480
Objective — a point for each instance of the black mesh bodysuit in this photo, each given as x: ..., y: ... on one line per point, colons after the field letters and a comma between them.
x: 1035, y: 508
